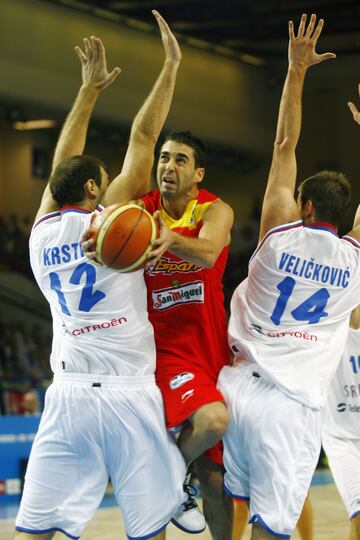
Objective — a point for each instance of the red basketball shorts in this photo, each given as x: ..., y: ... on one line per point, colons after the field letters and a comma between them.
x: 184, y: 392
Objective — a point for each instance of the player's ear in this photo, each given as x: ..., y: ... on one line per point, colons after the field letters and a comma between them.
x: 91, y: 188
x: 199, y: 174
x: 308, y: 209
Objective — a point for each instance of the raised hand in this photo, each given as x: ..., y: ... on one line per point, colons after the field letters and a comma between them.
x: 94, y: 69
x: 302, y: 47
x: 354, y: 110
x: 171, y: 46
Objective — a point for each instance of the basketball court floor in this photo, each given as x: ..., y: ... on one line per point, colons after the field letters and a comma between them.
x: 330, y: 518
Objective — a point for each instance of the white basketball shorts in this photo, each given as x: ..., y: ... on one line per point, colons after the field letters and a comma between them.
x: 271, y: 448
x: 93, y: 428
x: 344, y: 460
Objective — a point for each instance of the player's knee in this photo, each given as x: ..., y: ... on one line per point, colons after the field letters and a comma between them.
x: 215, y: 423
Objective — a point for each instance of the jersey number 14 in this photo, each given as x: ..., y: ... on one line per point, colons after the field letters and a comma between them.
x: 311, y: 311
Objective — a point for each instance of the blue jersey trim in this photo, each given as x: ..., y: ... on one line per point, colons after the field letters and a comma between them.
x: 148, y: 535
x: 75, y: 209
x: 45, y: 531
x: 281, y: 228
x: 256, y: 517
x: 322, y: 228
x: 351, y: 241
x: 46, y: 217
x: 354, y: 514
x: 237, y: 497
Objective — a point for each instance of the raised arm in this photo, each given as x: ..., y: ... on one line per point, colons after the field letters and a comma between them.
x: 279, y: 205
x: 95, y: 77
x: 356, y: 226
x: 134, y: 179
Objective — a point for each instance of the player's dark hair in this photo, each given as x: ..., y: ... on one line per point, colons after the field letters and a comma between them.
x: 186, y: 137
x: 70, y: 176
x: 330, y: 193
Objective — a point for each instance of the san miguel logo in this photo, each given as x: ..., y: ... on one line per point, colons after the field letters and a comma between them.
x: 167, y: 266
x: 189, y: 293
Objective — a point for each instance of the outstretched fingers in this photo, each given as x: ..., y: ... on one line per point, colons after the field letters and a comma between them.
x: 163, y: 25
x: 88, y: 48
x: 354, y: 111
x: 113, y: 75
x: 81, y: 54
x: 302, y: 24
x: 171, y: 46
x: 326, y: 56
x: 353, y: 108
x: 291, y: 31
x: 311, y: 26
x: 95, y: 48
x: 318, y: 30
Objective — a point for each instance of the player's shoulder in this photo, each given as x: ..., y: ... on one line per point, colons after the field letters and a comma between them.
x: 206, y: 196
x: 350, y: 241
x: 286, y: 229
x: 152, y: 200
x: 211, y: 204
x: 41, y: 223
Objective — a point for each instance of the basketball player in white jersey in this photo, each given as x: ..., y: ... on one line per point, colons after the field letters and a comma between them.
x: 340, y: 427
x: 103, y: 414
x: 289, y: 321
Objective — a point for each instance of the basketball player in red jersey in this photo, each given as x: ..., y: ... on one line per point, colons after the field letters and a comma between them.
x: 186, y: 308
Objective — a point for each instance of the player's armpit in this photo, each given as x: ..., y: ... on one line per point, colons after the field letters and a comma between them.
x: 47, y: 205
x: 279, y: 205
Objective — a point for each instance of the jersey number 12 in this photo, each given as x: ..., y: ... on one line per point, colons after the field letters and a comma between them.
x: 88, y: 297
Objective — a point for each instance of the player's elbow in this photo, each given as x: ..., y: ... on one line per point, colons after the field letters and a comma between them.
x: 142, y: 134
x: 284, y: 146
x: 209, y: 259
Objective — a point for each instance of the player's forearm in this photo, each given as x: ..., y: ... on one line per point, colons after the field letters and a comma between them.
x: 290, y: 111
x: 73, y: 134
x: 149, y: 121
x: 357, y: 218
x: 198, y: 251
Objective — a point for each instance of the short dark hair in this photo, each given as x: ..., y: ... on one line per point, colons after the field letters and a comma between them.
x: 68, y: 180
x: 330, y: 193
x: 186, y: 137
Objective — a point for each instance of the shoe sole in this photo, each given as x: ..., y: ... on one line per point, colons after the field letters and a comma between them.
x: 186, y: 530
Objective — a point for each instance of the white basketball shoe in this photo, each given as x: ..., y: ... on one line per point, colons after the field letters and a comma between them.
x: 189, y: 517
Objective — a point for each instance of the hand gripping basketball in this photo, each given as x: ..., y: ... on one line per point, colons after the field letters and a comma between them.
x: 123, y: 236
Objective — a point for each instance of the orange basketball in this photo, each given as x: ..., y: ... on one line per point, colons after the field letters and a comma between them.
x: 123, y: 234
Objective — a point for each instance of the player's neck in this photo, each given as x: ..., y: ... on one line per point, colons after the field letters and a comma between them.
x: 86, y: 204
x: 176, y: 207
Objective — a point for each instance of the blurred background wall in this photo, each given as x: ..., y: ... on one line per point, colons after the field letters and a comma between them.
x: 232, y: 104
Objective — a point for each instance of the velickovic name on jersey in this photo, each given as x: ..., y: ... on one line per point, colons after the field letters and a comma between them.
x: 189, y: 293
x: 167, y: 266
x: 310, y: 269
x: 62, y: 254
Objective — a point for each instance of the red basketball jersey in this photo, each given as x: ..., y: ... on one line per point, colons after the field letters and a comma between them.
x: 185, y: 301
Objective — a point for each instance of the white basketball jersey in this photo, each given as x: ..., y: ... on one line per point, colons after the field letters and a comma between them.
x: 291, y: 315
x: 100, y: 319
x: 341, y: 413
